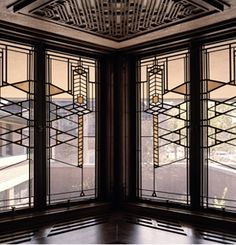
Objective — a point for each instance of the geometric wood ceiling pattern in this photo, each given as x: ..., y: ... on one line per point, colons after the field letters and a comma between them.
x: 118, y: 19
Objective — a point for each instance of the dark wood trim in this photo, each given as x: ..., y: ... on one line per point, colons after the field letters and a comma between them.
x: 105, y: 129
x: 20, y: 4
x: 195, y: 130
x: 125, y: 167
x: 133, y: 167
x: 119, y: 98
x: 125, y: 164
x: 18, y: 33
x: 216, y: 4
x: 223, y: 30
x: 23, y: 34
x: 208, y: 220
x: 37, y: 219
x: 40, y: 158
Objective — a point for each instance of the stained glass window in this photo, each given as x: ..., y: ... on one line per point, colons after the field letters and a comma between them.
x: 219, y: 125
x: 71, y: 127
x: 163, y: 112
x: 16, y: 126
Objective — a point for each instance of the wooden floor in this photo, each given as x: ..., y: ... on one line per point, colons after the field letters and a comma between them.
x: 116, y: 228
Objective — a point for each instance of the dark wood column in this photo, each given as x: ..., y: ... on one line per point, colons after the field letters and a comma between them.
x: 125, y: 165
x: 117, y: 129
x: 105, y: 129
x: 132, y: 136
x: 119, y: 100
x: 195, y: 130
x: 40, y: 129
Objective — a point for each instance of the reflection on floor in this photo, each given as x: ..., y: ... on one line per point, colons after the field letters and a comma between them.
x: 121, y: 228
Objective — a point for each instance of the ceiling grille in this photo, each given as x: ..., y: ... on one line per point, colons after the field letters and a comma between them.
x: 121, y: 19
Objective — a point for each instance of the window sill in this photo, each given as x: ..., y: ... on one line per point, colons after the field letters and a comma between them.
x: 203, y: 218
x: 32, y: 218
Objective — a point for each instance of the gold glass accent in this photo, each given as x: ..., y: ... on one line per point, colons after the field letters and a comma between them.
x: 26, y: 86
x: 211, y: 85
x: 182, y: 89
x: 54, y: 90
x: 80, y: 99
x: 80, y: 141
x: 155, y: 142
x: 155, y: 99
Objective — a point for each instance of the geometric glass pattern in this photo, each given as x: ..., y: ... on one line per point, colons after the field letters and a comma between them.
x: 163, y: 121
x: 119, y: 19
x: 71, y: 96
x: 218, y: 90
x: 16, y: 126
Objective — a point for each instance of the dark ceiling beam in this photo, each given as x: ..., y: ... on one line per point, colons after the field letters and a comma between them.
x: 23, y: 34
x: 20, y: 4
x: 211, y: 33
x: 219, y: 5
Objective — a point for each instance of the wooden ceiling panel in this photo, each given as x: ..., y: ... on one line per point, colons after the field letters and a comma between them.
x: 118, y: 20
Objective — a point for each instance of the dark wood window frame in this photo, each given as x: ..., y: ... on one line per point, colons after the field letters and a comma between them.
x: 118, y: 135
x: 193, y: 41
x: 41, y: 42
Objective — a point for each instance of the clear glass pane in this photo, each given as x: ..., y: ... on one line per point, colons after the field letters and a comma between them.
x: 16, y: 134
x: 218, y: 120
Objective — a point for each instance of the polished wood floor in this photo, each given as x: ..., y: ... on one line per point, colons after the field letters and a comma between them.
x: 121, y: 228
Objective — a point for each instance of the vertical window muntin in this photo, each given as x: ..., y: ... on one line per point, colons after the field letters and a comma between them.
x: 17, y: 126
x: 217, y: 121
x: 152, y: 128
x: 80, y: 109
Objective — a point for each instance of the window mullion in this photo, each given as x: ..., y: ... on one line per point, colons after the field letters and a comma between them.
x: 195, y: 137
x: 40, y: 129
